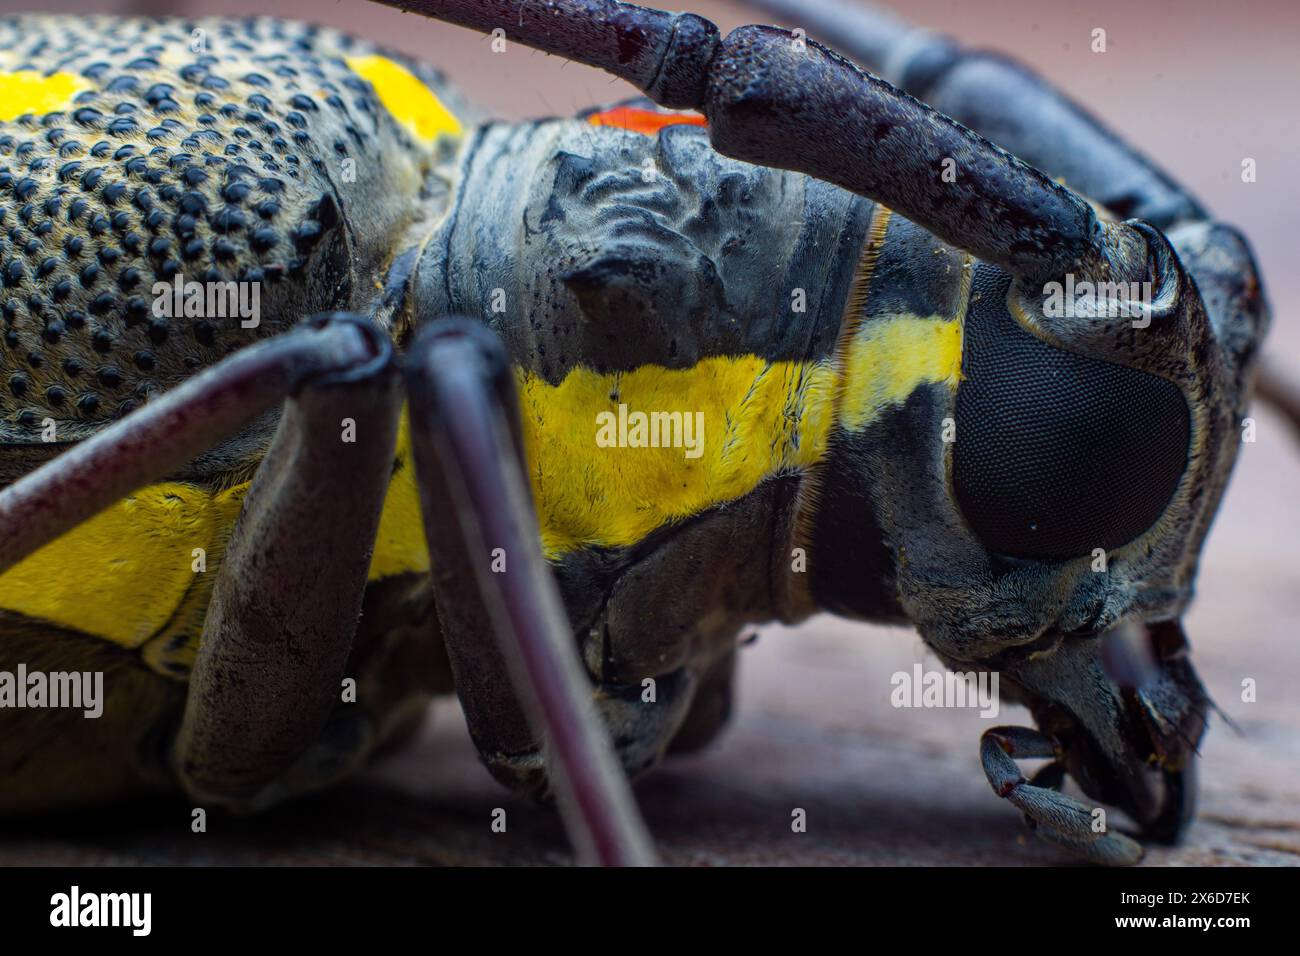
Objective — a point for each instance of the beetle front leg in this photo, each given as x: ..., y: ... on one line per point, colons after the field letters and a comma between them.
x: 288, y: 595
x: 1057, y: 818
x: 498, y: 606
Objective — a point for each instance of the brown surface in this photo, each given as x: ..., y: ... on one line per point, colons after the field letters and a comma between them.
x: 1201, y: 88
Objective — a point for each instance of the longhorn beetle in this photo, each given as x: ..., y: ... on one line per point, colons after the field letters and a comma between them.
x: 780, y: 338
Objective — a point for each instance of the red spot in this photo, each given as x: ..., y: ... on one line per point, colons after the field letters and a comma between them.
x: 647, y: 122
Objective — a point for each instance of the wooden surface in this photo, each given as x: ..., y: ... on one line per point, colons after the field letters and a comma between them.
x: 814, y: 728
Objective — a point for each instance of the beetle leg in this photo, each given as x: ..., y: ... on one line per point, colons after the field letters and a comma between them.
x: 1057, y: 818
x: 164, y: 434
x: 288, y: 595
x: 511, y: 629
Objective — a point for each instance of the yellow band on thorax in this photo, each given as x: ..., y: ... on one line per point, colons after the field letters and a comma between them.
x: 759, y: 419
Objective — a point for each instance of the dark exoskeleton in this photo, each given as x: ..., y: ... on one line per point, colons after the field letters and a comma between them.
x: 976, y: 509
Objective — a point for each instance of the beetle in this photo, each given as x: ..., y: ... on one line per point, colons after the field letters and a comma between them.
x: 853, y: 297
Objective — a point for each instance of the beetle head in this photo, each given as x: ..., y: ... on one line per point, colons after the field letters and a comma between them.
x: 1083, y: 481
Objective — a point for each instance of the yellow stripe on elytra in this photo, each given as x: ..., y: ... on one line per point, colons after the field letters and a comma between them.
x: 125, y: 574
x: 27, y: 91
x: 409, y: 101
x: 399, y: 544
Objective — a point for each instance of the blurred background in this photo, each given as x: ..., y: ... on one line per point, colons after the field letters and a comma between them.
x: 1198, y: 85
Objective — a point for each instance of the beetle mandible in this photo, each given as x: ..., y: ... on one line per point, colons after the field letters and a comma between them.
x: 838, y: 307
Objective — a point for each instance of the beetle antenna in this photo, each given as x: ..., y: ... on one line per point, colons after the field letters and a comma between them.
x: 1279, y: 392
x: 1223, y: 715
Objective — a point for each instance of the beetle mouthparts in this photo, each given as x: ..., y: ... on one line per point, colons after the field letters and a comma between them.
x: 1134, y: 747
x: 1163, y: 718
x: 1168, y: 714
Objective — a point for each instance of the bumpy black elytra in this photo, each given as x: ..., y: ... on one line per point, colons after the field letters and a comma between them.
x: 209, y: 149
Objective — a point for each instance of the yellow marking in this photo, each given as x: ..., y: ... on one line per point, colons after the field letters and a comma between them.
x: 888, y: 360
x: 855, y: 308
x: 121, y: 574
x: 27, y: 91
x: 808, y: 496
x: 409, y: 101
x: 126, y: 575
x: 400, y: 546
x: 760, y: 418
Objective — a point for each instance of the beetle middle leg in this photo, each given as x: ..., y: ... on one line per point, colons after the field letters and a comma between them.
x: 289, y: 588
x: 259, y: 718
x: 1055, y: 817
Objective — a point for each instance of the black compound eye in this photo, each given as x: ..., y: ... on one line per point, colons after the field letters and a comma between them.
x: 1058, y: 454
